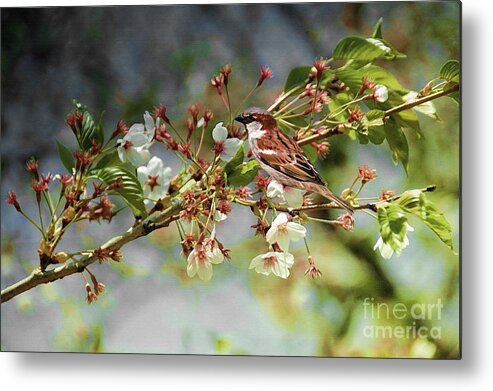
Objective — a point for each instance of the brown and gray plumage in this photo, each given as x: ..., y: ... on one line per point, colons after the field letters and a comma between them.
x: 281, y: 156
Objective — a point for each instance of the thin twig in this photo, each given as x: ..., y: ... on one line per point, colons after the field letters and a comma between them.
x: 405, y: 106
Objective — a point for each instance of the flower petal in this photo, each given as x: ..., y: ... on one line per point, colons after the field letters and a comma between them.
x: 150, y: 125
x: 293, y: 197
x: 136, y: 128
x: 275, y: 189
x: 205, y: 271
x: 215, y: 256
x: 231, y: 146
x: 155, y: 166
x: 138, y: 156
x: 219, y: 133
x: 295, y: 231
x: 281, y: 218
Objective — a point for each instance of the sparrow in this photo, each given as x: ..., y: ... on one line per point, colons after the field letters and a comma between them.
x: 281, y: 157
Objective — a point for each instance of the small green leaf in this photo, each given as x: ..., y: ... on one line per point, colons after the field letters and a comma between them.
x: 376, y: 134
x: 375, y: 117
x: 335, y: 102
x: 243, y: 174
x: 361, y: 49
x: 109, y: 159
x: 132, y: 190
x: 297, y: 76
x: 377, y: 30
x: 236, y: 161
x: 415, y: 202
x: 353, y: 78
x: 397, y: 142
x: 450, y: 71
x: 373, y: 122
x: 90, y: 132
x: 393, y: 226
x: 66, y: 156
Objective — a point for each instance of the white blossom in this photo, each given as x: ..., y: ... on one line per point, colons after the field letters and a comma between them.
x: 276, y: 263
x: 226, y: 147
x: 381, y: 94
x: 386, y: 249
x: 289, y: 195
x: 283, y: 231
x: 154, y: 179
x: 134, y: 146
x: 201, y: 259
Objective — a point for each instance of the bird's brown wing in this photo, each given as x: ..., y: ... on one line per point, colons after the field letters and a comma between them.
x: 282, y: 153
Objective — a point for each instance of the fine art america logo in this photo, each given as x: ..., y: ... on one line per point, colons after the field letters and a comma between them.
x: 419, y: 313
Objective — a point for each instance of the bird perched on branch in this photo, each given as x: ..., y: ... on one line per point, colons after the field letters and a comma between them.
x: 281, y: 156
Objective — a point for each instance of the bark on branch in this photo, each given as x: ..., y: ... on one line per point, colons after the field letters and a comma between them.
x: 37, y: 277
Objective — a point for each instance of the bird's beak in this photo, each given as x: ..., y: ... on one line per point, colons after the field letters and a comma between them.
x: 240, y: 118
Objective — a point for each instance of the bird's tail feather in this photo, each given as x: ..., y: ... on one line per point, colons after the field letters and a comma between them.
x: 322, y: 190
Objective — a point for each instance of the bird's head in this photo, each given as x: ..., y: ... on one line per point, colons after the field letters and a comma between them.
x: 256, y: 119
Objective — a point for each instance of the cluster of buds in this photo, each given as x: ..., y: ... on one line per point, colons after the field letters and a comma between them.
x: 378, y: 92
x: 41, y: 185
x: 83, y: 159
x: 75, y: 120
x: 160, y: 112
x: 121, y: 129
x: 225, y: 71
x: 95, y: 291
x: 366, y: 174
x: 243, y: 193
x: 102, y: 210
x: 317, y: 103
x: 261, y: 182
x: 346, y: 221
x: 162, y: 135
x: 104, y: 254
x: 386, y: 195
x: 261, y: 227
x: 319, y: 67
x: 265, y: 74
x: 12, y: 200
x: 217, y: 83
x: 355, y: 115
x: 322, y: 148
x: 312, y: 270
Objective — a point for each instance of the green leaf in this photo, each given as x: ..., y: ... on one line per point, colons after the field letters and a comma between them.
x: 236, y: 161
x: 377, y: 30
x: 353, y: 78
x: 132, y: 190
x: 415, y: 202
x: 450, y: 71
x: 243, y: 174
x: 66, y: 156
x: 296, y: 77
x: 393, y: 226
x: 109, y: 159
x: 374, y: 117
x: 376, y: 134
x: 361, y: 49
x: 90, y: 132
x: 335, y: 102
x: 397, y: 142
x: 374, y: 123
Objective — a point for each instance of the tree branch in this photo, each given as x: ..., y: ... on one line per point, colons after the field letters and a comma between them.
x: 405, y: 106
x: 38, y: 277
x: 307, y: 208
